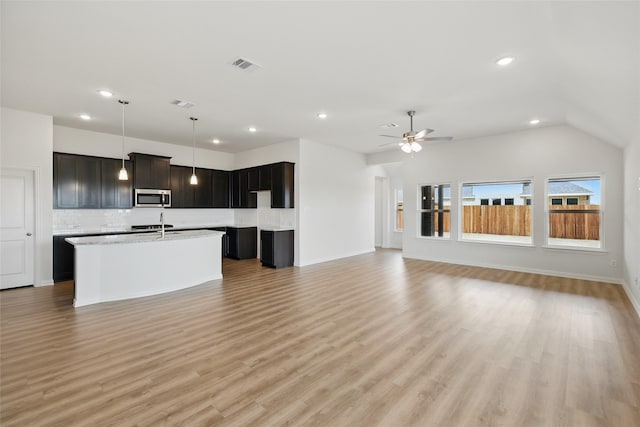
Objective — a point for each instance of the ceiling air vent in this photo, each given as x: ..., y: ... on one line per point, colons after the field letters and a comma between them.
x: 183, y: 104
x: 244, y: 64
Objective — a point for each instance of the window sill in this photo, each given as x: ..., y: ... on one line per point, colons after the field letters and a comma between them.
x: 444, y: 239
x: 578, y: 249
x: 498, y: 242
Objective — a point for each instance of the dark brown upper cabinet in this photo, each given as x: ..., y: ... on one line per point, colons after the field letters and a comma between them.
x: 115, y: 194
x: 203, y: 196
x: 264, y: 177
x: 220, y: 188
x: 76, y: 181
x: 151, y: 171
x: 253, y: 179
x: 282, y: 177
x: 182, y: 192
x: 241, y: 197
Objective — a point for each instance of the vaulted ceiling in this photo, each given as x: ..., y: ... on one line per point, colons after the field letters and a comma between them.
x: 363, y: 63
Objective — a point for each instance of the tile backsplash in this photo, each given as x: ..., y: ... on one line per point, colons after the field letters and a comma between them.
x: 68, y: 220
x: 105, y: 219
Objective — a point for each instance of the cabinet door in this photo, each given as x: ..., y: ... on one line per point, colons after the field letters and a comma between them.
x: 265, y: 177
x: 203, y: 194
x: 235, y: 189
x: 151, y: 171
x: 243, y: 242
x: 253, y: 179
x: 282, y: 179
x: 220, y: 188
x: 89, y: 176
x: 76, y: 181
x: 63, y: 259
x: 240, y: 195
x: 266, y: 247
x: 182, y: 192
x: 233, y: 242
x: 115, y: 194
x: 65, y: 182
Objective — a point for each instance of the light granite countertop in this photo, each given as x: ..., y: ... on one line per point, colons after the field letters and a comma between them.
x: 127, y: 230
x: 141, y: 237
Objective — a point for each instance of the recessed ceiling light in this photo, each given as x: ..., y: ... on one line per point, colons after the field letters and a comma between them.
x: 252, y: 129
x: 105, y: 93
x: 216, y: 141
x: 322, y: 115
x: 505, y: 61
x: 534, y: 121
x: 85, y: 117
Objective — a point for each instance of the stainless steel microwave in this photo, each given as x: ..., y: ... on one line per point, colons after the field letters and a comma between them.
x: 147, y: 198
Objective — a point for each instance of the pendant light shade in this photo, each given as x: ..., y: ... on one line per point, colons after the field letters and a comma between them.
x: 123, y: 175
x: 194, y: 178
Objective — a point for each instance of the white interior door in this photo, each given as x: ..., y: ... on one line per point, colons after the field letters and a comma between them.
x: 16, y: 228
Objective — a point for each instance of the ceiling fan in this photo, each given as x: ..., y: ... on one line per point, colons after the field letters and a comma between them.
x: 411, y: 139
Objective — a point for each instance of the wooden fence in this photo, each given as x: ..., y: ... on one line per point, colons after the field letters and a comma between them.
x: 575, y: 225
x: 516, y: 221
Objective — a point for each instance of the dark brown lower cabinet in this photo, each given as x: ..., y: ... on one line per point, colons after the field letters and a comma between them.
x: 63, y: 261
x: 243, y: 242
x: 276, y: 248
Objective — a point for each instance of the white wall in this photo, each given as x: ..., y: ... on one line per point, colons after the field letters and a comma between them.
x: 26, y: 143
x: 336, y: 204
x: 631, y: 278
x: 535, y: 154
x: 78, y: 141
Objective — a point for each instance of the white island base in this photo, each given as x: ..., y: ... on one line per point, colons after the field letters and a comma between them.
x: 111, y: 268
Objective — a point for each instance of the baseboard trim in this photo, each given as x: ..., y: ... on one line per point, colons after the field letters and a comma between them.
x: 603, y: 279
x: 46, y: 282
x: 333, y: 258
x: 634, y: 302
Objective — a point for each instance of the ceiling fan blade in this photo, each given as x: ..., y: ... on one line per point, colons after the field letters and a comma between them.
x: 391, y: 143
x: 423, y: 133
x: 391, y: 136
x: 434, y: 139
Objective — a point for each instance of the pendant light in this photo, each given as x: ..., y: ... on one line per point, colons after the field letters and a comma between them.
x: 123, y: 175
x: 194, y: 178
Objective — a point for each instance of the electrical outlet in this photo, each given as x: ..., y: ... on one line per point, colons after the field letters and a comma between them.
x: 613, y: 263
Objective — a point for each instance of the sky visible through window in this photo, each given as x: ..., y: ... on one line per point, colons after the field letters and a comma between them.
x: 490, y: 191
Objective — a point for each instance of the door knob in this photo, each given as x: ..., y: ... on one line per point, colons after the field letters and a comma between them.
x: 28, y: 234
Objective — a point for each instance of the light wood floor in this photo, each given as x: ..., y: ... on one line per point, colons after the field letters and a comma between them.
x: 370, y: 340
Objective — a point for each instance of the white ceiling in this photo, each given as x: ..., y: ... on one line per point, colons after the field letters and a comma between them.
x: 364, y: 63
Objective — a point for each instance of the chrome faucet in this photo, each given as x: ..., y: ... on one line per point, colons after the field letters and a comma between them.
x: 162, y: 223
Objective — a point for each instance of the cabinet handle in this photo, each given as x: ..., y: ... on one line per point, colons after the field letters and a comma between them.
x: 28, y: 234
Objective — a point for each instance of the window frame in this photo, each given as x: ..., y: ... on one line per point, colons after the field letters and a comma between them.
x: 441, y: 209
x: 396, y: 210
x: 575, y: 177
x: 523, y: 180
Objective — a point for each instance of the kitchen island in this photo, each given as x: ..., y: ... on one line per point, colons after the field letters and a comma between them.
x: 123, y: 266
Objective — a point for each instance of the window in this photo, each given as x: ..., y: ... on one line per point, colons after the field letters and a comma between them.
x: 572, y: 200
x: 435, y: 210
x: 484, y: 202
x: 578, y: 222
x: 498, y: 223
x: 399, y: 211
x: 556, y: 201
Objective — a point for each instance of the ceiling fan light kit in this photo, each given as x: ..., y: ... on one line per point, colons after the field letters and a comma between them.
x: 411, y: 138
